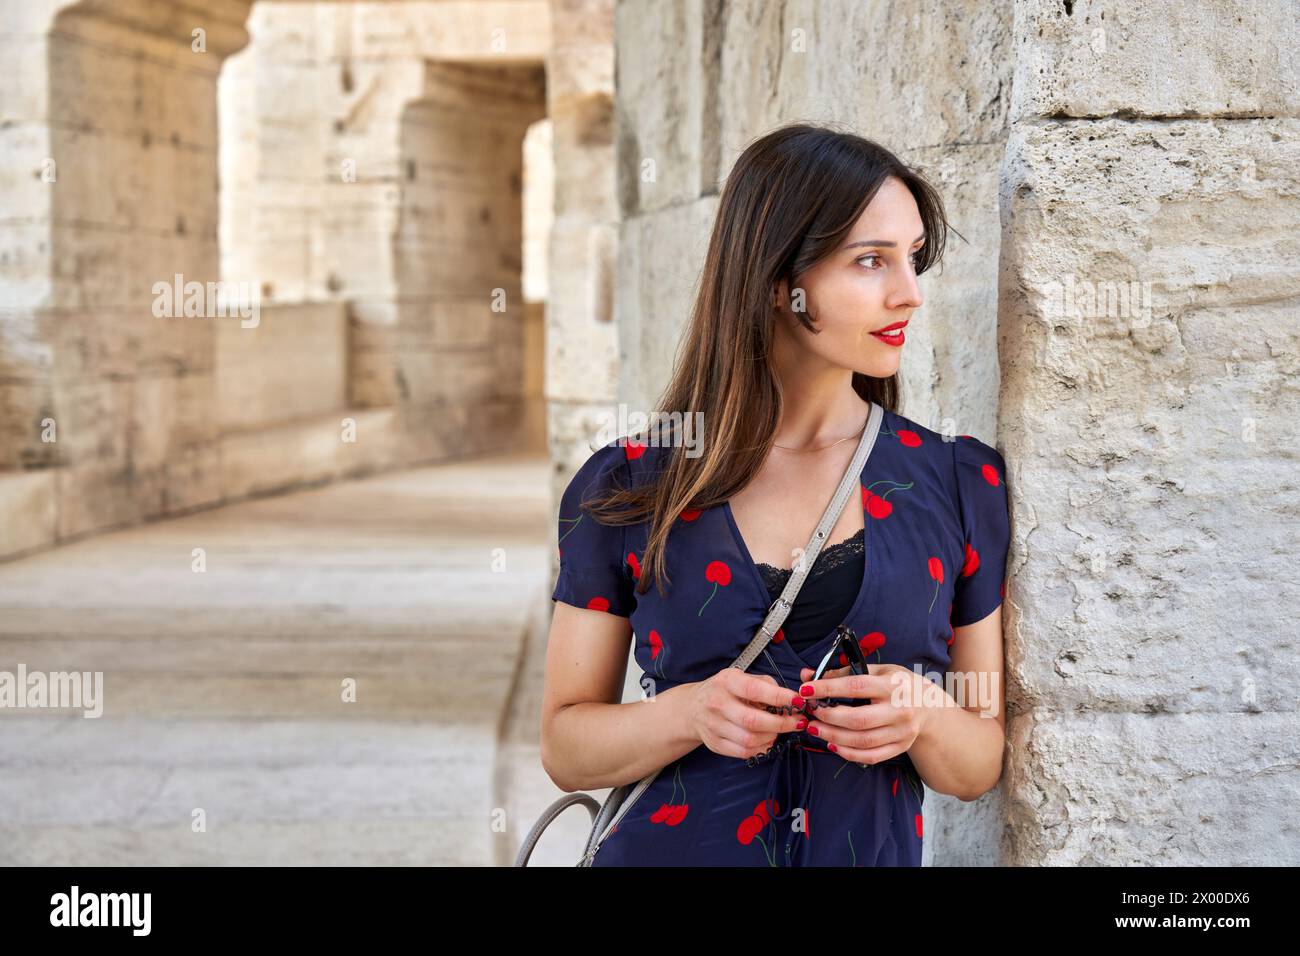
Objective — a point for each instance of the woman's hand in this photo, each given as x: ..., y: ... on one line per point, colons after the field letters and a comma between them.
x: 869, y: 733
x: 729, y: 712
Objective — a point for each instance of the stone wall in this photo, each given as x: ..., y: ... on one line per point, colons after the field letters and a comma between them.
x: 376, y: 155
x: 111, y: 127
x: 370, y: 177
x: 1150, y: 348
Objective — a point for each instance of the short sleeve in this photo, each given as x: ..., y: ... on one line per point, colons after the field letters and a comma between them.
x: 980, y: 585
x: 594, y: 572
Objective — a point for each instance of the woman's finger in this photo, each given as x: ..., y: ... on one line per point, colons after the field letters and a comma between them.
x: 746, y: 716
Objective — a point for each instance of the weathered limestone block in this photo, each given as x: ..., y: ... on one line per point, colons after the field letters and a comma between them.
x: 1151, y: 442
x: 322, y: 448
x: 581, y: 347
x: 25, y: 407
x: 659, y: 262
x: 292, y: 364
x: 1122, y: 789
x: 28, y: 510
x: 951, y: 379
x: 1215, y: 59
x: 857, y: 63
x: 663, y: 79
x: 95, y: 496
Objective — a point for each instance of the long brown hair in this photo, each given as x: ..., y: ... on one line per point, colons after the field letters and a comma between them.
x: 791, y: 199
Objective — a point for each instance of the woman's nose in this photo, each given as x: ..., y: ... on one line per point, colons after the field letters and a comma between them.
x: 908, y: 291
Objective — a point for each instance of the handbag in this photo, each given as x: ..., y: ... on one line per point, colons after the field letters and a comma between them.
x: 621, y: 799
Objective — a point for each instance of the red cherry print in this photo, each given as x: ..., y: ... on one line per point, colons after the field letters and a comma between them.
x: 909, y: 438
x: 598, y: 604
x: 678, y: 815
x: 918, y: 826
x: 660, y: 815
x: 749, y: 828
x: 753, y: 825
x: 690, y: 514
x: 656, y: 644
x: 720, y: 574
x: 761, y: 809
x: 936, y: 572
x: 972, y: 562
x: 876, y: 506
x: 893, y: 791
x: 990, y: 474
x: 871, y: 644
x: 779, y: 636
x: 636, y: 565
x: 634, y: 450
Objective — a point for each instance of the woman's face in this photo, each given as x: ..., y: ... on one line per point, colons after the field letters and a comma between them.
x: 867, y: 285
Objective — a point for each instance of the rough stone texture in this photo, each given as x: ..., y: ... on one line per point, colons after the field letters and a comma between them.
x: 1153, y: 462
x: 1090, y: 59
x: 660, y: 257
x: 1152, y: 452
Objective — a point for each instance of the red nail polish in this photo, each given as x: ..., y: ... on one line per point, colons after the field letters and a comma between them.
x: 806, y: 690
x: 813, y: 731
x: 801, y: 725
x: 796, y: 702
x: 832, y: 748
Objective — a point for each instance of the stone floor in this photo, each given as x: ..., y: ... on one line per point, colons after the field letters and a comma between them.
x: 223, y: 687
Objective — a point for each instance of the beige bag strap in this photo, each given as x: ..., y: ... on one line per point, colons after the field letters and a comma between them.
x: 849, y: 485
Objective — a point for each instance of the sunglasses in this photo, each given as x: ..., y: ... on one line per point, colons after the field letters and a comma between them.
x: 846, y: 643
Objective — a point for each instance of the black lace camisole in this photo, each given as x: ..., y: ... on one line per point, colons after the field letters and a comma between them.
x: 828, y: 593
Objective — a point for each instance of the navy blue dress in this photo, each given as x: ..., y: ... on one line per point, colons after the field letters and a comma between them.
x: 936, y: 536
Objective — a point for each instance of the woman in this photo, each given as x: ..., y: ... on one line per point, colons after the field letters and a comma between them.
x: 798, y: 328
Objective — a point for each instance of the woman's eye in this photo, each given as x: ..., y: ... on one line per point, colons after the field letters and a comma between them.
x: 873, y: 255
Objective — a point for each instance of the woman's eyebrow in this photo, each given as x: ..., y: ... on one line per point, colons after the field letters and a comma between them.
x: 886, y: 243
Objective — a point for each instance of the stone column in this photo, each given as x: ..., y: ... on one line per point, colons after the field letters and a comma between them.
x: 582, y: 341
x: 1149, y: 405
x: 110, y: 124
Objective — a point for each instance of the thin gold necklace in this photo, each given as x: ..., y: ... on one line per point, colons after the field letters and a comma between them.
x: 832, y: 444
